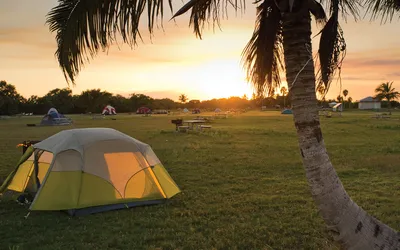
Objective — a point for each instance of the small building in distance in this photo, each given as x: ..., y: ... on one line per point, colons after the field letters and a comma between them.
x: 338, y: 107
x: 369, y: 103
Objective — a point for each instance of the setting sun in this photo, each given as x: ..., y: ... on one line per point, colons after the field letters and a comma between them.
x: 219, y: 79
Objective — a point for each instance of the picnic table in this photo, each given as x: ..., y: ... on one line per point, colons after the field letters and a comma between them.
x: 183, y: 126
x: 193, y: 125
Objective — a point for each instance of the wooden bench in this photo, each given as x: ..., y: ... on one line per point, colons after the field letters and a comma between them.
x: 381, y: 116
x: 205, y: 127
x: 183, y: 128
x: 177, y: 122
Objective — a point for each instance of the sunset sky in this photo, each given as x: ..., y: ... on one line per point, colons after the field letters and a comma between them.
x: 175, y: 61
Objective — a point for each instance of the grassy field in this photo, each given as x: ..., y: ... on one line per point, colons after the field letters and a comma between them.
x: 243, y: 185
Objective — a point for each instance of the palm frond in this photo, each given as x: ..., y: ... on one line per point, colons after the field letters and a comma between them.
x: 318, y: 11
x: 386, y: 91
x: 332, y: 50
x: 386, y: 9
x: 208, y: 10
x: 85, y: 26
x: 262, y: 56
x: 185, y: 8
x: 346, y: 7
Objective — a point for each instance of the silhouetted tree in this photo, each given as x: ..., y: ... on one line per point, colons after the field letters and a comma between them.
x: 61, y: 99
x: 193, y: 104
x: 345, y: 93
x: 10, y: 99
x: 386, y: 91
x: 349, y: 100
x: 93, y: 100
x: 120, y: 103
x: 183, y: 98
x: 139, y: 100
x: 164, y: 103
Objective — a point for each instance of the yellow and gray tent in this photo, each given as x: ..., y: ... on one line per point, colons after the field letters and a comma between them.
x: 84, y: 171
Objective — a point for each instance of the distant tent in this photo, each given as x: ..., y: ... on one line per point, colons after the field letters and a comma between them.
x: 143, y: 110
x: 53, y: 112
x: 109, y: 110
x: 217, y: 110
x: 185, y: 110
x: 53, y: 118
x: 196, y: 111
x: 287, y: 112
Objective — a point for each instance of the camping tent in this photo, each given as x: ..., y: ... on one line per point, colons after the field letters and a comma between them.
x: 185, y: 110
x: 54, y: 118
x: 109, y: 110
x: 84, y: 171
x: 287, y: 112
x: 196, y: 111
x: 52, y: 111
x: 217, y: 110
x: 143, y: 110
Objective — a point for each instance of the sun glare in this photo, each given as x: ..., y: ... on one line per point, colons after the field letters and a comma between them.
x: 221, y: 79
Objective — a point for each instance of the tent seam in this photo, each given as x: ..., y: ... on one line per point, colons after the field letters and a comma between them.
x: 130, y: 178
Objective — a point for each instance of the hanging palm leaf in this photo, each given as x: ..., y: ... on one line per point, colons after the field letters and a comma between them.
x: 262, y: 56
x: 332, y: 50
x: 386, y: 9
x: 85, y: 26
x: 205, y: 10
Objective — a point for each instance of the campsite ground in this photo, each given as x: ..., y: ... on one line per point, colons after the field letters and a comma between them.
x: 243, y: 185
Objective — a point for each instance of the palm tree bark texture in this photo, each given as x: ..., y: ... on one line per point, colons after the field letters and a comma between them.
x: 350, y: 224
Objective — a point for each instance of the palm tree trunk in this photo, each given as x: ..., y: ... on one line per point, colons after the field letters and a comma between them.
x: 350, y: 224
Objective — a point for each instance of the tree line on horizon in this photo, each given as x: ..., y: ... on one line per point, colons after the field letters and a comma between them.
x: 94, y: 100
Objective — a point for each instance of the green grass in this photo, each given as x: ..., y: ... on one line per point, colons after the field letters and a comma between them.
x: 243, y: 185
